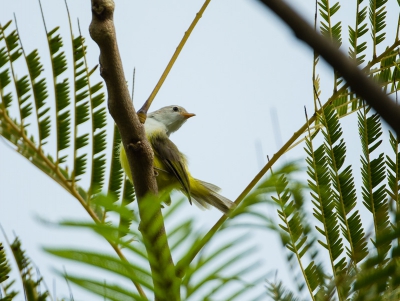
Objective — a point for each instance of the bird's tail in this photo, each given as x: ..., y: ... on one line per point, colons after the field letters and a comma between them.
x: 205, y: 194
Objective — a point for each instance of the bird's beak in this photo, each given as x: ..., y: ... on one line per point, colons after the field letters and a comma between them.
x: 188, y: 115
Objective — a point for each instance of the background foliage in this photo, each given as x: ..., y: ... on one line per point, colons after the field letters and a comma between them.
x: 333, y: 253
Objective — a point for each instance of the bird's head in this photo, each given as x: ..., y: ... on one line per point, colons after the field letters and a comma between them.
x: 172, y: 117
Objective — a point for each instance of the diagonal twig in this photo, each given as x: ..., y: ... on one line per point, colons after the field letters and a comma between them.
x: 142, y: 113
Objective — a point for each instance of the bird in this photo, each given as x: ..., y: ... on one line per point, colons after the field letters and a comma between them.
x: 171, y: 165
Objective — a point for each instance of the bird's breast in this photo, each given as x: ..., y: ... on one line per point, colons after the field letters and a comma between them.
x: 153, y: 127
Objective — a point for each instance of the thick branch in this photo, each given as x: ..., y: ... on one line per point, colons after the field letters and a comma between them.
x: 365, y: 87
x: 138, y: 149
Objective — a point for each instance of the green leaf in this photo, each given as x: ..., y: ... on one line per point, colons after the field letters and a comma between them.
x: 108, y: 263
x: 4, y: 265
x: 116, y: 173
x: 109, y: 291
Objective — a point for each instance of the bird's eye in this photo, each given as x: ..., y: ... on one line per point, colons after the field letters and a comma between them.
x: 175, y: 109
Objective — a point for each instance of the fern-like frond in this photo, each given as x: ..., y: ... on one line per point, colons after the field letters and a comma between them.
x: 344, y: 191
x: 332, y: 31
x: 13, y: 51
x: 373, y: 174
x: 379, y: 277
x: 5, y: 270
x: 278, y: 292
x: 128, y: 196
x: 324, y: 205
x: 4, y: 265
x: 356, y: 48
x: 386, y: 76
x: 98, y: 133
x: 296, y: 230
x: 377, y: 18
x: 393, y: 166
x: 40, y: 95
x: 61, y: 88
x: 31, y: 286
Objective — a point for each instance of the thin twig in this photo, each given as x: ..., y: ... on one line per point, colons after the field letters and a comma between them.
x: 142, y: 113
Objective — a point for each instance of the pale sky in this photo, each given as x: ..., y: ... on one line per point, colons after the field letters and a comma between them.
x: 239, y: 64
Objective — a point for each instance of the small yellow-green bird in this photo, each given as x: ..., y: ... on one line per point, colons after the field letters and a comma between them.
x: 171, y: 164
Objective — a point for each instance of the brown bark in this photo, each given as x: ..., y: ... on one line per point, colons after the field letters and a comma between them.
x: 138, y: 150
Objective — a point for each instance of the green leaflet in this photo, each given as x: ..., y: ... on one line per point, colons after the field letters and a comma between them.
x: 106, y: 262
x: 110, y: 291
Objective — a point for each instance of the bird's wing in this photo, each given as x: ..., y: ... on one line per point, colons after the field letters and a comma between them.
x: 167, y: 152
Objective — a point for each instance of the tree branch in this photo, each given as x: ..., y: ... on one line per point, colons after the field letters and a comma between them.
x: 138, y: 150
x: 365, y: 87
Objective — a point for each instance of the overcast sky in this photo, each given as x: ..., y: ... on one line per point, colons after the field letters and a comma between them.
x: 243, y: 74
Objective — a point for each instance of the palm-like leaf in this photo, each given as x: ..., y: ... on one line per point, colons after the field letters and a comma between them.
x: 208, y: 271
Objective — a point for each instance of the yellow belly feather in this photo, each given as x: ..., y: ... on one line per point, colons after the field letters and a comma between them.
x: 164, y: 179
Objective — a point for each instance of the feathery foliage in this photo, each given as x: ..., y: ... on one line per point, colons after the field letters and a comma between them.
x: 373, y: 173
x: 204, y: 279
x: 377, y: 18
x: 278, y: 292
x: 31, y: 281
x: 5, y: 270
x: 360, y: 29
x: 328, y: 250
